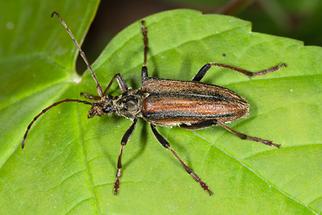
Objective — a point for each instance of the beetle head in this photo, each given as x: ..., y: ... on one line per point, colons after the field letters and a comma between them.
x: 101, y: 108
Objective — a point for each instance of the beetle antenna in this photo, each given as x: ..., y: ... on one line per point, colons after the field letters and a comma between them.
x: 81, y: 52
x: 44, y: 111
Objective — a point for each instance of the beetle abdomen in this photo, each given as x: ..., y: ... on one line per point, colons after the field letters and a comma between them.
x: 172, y: 102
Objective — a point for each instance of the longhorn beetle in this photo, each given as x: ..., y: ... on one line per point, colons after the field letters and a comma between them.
x: 161, y: 102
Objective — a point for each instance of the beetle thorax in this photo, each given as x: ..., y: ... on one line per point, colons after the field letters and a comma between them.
x: 128, y: 104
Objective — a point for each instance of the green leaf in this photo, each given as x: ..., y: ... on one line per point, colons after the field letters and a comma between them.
x: 68, y: 165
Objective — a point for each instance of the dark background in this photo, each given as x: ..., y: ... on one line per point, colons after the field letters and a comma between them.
x: 299, y: 19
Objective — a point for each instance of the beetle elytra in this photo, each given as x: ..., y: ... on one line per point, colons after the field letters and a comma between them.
x: 162, y: 102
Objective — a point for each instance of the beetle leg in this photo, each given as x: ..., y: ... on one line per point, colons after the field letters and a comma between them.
x: 122, y: 85
x: 124, y: 141
x: 248, y: 73
x: 144, y: 70
x: 247, y: 137
x: 166, y: 144
x: 120, y: 81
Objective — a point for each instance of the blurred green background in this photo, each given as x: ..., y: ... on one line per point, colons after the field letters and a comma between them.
x: 299, y: 19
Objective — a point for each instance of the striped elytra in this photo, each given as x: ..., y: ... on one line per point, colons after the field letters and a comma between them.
x: 172, y: 102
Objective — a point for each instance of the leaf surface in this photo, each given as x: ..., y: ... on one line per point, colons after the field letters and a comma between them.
x: 68, y: 165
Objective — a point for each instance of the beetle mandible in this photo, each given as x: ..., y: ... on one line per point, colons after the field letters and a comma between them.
x: 162, y: 102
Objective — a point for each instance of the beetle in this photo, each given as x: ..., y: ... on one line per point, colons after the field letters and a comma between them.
x: 163, y: 102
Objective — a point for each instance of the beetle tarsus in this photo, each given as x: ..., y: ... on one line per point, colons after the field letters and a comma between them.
x: 270, y: 143
x: 202, y: 183
x: 269, y: 70
x: 260, y: 140
x: 247, y: 137
x: 116, y: 186
x: 206, y: 188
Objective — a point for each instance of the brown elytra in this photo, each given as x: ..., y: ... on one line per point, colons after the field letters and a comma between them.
x: 173, y: 103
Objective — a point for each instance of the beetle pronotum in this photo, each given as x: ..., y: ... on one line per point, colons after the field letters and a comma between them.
x: 161, y: 102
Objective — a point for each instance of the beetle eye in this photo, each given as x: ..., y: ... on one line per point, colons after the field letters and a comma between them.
x: 107, y: 109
